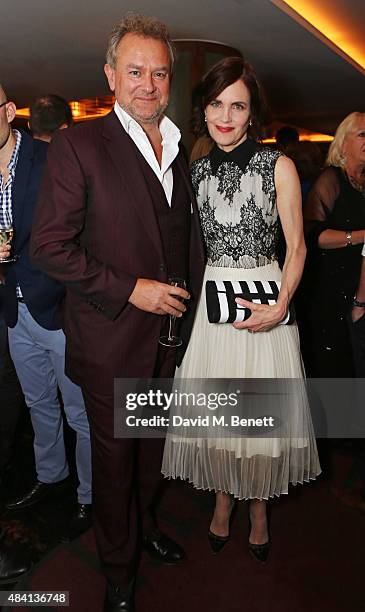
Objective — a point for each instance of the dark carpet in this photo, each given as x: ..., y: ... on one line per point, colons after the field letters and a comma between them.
x: 316, y: 562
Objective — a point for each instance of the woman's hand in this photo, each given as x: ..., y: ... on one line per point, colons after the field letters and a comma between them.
x: 263, y: 317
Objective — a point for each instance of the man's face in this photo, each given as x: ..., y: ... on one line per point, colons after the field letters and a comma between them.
x: 141, y: 77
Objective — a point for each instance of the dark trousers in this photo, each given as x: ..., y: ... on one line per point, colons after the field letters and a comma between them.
x: 126, y: 474
x: 11, y: 398
x: 357, y: 333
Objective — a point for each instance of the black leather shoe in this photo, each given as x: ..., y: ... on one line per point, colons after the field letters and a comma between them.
x: 15, y: 561
x: 79, y: 523
x: 159, y: 546
x: 40, y: 491
x: 118, y: 599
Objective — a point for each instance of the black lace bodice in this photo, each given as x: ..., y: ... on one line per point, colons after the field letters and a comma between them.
x: 238, y: 210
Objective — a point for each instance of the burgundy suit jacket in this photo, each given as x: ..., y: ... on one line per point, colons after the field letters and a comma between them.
x: 95, y: 230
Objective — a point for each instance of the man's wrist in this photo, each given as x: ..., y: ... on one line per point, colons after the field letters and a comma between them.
x: 358, y: 303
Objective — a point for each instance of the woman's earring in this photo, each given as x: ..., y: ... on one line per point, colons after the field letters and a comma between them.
x: 250, y: 123
x: 205, y: 118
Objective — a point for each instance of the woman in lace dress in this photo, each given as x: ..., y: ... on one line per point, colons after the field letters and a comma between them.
x: 242, y: 189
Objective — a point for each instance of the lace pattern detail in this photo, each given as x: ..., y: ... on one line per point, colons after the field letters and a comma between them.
x: 229, y: 181
x: 238, y: 210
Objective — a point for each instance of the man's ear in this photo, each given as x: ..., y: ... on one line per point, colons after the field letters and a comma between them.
x: 110, y: 75
x: 10, y: 111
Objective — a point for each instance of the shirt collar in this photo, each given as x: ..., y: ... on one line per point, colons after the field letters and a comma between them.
x: 15, y: 154
x: 241, y: 155
x: 169, y: 131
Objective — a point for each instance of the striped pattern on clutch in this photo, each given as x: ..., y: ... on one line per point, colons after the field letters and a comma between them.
x: 221, y: 295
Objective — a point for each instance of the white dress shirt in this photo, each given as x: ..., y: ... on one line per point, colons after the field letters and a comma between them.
x: 170, y: 146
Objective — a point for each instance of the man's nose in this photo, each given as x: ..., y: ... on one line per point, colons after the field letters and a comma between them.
x: 148, y: 83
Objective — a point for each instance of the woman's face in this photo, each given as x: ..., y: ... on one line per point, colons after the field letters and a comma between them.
x: 228, y: 116
x: 354, y: 145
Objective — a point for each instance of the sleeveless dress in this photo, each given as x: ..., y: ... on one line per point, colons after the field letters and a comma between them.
x: 237, y: 205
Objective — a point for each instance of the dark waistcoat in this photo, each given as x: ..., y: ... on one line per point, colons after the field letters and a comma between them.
x: 174, y: 221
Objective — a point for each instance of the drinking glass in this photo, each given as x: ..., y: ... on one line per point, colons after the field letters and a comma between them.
x: 6, y: 236
x: 172, y: 340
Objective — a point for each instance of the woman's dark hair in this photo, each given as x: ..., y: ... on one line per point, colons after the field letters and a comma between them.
x: 223, y: 74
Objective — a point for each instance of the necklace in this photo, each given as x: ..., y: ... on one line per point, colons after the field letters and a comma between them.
x: 358, y: 185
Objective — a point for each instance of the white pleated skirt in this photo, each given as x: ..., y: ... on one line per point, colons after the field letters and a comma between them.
x: 246, y: 467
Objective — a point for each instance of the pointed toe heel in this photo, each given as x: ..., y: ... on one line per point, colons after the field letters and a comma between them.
x: 217, y: 542
x: 259, y: 552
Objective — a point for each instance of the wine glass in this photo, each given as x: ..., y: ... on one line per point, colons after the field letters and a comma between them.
x: 6, y: 236
x: 171, y: 339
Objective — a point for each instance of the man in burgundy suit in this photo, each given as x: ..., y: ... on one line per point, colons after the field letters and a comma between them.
x: 117, y: 218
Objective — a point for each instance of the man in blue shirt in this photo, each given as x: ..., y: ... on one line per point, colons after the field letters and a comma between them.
x: 32, y: 302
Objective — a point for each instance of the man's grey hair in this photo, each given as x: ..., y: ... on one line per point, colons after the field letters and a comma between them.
x: 142, y: 25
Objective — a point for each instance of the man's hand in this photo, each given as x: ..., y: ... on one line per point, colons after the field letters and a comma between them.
x: 263, y: 317
x: 4, y: 250
x: 153, y: 296
x: 356, y: 313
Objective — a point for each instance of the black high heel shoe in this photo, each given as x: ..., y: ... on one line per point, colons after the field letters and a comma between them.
x: 217, y: 542
x: 259, y: 552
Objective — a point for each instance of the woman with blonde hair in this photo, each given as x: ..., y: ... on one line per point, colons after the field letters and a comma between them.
x: 335, y: 221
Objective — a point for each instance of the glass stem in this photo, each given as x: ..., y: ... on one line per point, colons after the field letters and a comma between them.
x: 171, y: 326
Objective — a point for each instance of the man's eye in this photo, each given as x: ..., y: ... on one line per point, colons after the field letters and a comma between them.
x: 160, y: 75
x: 134, y: 72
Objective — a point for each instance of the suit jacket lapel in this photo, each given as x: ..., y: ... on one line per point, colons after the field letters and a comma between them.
x: 185, y: 173
x: 22, y: 172
x: 121, y: 149
x: 196, y: 234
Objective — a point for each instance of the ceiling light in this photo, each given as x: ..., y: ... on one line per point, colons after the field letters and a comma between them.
x: 327, y: 21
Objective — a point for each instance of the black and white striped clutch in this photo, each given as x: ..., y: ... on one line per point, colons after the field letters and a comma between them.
x: 221, y: 295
